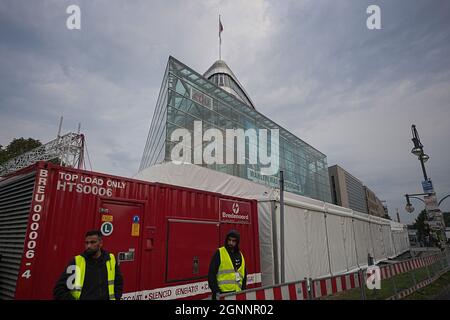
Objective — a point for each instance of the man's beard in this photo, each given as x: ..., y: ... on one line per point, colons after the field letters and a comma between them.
x: 90, y: 252
x: 231, y: 248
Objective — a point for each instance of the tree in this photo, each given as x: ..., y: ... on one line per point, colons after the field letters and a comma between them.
x: 446, y: 218
x: 422, y: 228
x: 17, y: 147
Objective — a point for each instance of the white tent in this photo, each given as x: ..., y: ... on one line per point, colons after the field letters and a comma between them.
x: 320, y: 238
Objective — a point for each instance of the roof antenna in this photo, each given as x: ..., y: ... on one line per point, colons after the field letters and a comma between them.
x: 79, y: 127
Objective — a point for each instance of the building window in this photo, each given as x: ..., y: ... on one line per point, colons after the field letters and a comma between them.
x: 333, y: 184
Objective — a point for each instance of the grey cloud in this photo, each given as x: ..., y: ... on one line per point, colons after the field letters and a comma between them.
x: 312, y: 66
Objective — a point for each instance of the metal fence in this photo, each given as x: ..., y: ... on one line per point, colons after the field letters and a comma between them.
x: 391, y: 281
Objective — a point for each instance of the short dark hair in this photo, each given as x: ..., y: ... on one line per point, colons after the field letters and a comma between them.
x: 93, y: 233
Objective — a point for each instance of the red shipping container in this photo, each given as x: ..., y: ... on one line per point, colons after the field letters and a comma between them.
x: 164, y: 236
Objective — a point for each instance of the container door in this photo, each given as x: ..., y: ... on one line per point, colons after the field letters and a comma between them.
x: 190, y: 247
x: 120, y: 223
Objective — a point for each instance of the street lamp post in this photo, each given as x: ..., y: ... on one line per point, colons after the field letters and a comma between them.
x: 431, y: 204
x: 418, y: 151
x: 409, y: 207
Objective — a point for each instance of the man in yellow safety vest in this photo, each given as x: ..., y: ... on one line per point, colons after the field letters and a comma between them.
x: 227, y: 272
x: 92, y: 275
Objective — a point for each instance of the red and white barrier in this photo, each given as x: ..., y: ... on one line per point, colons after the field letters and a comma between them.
x: 329, y: 286
x: 406, y: 266
x: 333, y: 285
x: 411, y: 290
x: 290, y: 291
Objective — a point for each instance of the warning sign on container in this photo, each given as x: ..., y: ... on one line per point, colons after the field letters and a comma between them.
x: 107, y: 218
x: 106, y: 228
x: 135, y: 230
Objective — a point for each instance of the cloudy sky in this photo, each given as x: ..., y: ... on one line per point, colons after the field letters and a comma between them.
x: 312, y: 66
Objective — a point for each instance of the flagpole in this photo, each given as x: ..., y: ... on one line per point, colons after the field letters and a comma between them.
x: 220, y: 42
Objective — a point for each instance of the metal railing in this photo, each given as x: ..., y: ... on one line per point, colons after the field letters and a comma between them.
x: 396, y: 281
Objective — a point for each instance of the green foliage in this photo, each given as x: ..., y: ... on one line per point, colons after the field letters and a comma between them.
x: 17, y: 147
x: 422, y: 228
x: 447, y: 218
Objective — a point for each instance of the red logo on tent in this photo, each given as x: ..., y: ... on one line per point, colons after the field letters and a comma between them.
x: 234, y: 211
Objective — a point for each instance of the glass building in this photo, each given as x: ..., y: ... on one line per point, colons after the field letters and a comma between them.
x: 219, y: 101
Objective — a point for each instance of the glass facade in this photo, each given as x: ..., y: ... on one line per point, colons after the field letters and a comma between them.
x: 186, y: 96
x: 154, y: 151
x: 356, y: 194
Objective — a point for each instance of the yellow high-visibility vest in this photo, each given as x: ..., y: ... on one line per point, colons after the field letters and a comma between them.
x: 227, y: 279
x: 80, y: 271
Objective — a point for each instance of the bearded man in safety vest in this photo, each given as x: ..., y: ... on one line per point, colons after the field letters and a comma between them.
x: 227, y: 272
x: 92, y: 275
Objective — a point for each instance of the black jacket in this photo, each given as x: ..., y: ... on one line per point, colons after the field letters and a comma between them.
x: 95, y: 286
x: 215, y: 263
x: 214, y: 268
